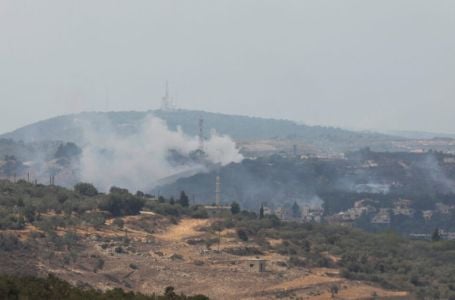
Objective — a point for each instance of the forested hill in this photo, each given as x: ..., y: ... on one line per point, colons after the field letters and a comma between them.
x: 70, y: 127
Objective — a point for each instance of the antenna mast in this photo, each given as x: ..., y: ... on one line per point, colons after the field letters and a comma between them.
x: 166, y: 101
x: 201, y: 134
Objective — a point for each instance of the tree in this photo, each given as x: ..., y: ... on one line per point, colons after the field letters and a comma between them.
x: 169, y: 292
x: 183, y: 200
x: 296, y: 210
x: 67, y: 150
x: 235, y: 208
x: 117, y: 190
x: 261, y: 212
x: 436, y: 236
x: 118, y: 222
x: 86, y: 189
x: 334, y: 290
x: 241, y: 233
x: 121, y: 204
x: 29, y: 213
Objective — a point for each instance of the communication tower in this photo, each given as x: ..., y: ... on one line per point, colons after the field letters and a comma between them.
x: 218, y: 191
x: 201, y: 134
x: 166, y: 100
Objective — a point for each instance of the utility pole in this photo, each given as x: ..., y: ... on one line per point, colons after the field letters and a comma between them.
x: 218, y: 191
x: 219, y: 239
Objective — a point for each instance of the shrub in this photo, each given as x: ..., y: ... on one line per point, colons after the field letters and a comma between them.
x: 118, y: 222
x: 9, y: 242
x: 121, y: 204
x: 235, y: 208
x: 199, y: 213
x: 297, y: 261
x: 86, y: 189
x: 99, y: 264
x: 242, y: 234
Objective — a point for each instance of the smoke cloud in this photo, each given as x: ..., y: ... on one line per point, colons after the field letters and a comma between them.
x: 138, y: 158
x: 437, y: 175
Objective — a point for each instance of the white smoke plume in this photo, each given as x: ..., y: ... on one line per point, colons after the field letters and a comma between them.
x: 138, y: 160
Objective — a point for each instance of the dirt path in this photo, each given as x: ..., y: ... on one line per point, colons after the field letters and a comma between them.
x: 184, y: 229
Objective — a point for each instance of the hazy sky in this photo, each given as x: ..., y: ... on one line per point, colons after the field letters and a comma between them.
x: 355, y: 64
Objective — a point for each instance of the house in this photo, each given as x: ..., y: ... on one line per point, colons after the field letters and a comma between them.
x: 443, y: 208
x: 449, y: 160
x: 360, y: 208
x: 283, y: 214
x: 310, y: 214
x: 382, y: 217
x: 403, y: 207
x: 256, y: 265
x: 427, y: 214
x: 268, y: 211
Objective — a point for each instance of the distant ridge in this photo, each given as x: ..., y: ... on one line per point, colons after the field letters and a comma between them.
x: 420, y: 134
x: 70, y: 127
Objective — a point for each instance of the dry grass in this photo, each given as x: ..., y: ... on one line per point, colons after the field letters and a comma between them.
x: 218, y: 275
x: 185, y: 229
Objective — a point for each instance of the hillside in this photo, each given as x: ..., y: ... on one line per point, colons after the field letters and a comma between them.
x: 426, y: 180
x: 100, y: 241
x: 71, y: 128
x: 277, y: 180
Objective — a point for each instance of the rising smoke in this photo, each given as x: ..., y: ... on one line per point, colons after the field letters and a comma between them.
x: 139, y: 160
x: 436, y: 174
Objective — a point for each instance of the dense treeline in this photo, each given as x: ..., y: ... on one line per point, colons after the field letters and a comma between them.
x: 50, y: 288
x: 49, y: 207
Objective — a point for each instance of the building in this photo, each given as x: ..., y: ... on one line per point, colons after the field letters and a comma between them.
x: 360, y: 208
x: 443, y: 208
x: 427, y: 215
x: 403, y: 207
x: 312, y: 214
x: 268, y: 211
x: 382, y: 217
x: 283, y: 214
x: 256, y: 265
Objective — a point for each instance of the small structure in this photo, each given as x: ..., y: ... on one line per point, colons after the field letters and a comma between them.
x: 442, y: 208
x: 403, y: 207
x: 382, y: 217
x: 268, y: 211
x: 449, y: 160
x: 427, y: 215
x: 256, y: 265
x: 283, y: 214
x: 312, y: 214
